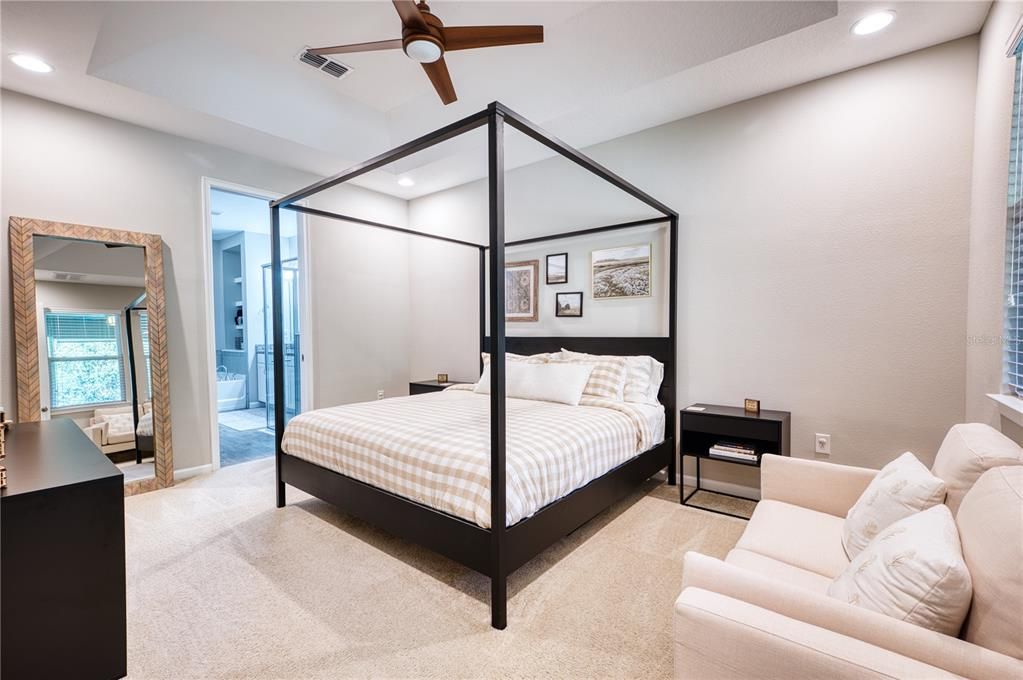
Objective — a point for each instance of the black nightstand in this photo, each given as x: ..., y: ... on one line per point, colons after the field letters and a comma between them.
x: 424, y: 386
x: 767, y: 432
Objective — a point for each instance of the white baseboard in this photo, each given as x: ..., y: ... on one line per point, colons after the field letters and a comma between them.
x: 186, y: 473
x: 724, y: 487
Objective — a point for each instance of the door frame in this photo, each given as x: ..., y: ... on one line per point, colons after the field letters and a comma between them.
x: 304, y: 302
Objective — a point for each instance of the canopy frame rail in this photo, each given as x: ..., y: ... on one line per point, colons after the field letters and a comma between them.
x: 499, y: 562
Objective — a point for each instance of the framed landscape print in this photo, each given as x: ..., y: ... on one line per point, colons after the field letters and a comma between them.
x: 621, y: 272
x: 568, y: 304
x: 557, y: 268
x: 521, y: 280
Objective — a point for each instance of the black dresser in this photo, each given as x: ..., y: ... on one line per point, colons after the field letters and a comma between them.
x: 62, y: 574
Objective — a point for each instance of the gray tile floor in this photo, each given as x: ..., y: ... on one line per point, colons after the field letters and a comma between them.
x: 239, y: 446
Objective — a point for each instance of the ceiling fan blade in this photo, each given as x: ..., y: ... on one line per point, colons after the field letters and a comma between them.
x: 410, y: 15
x: 358, y: 47
x: 471, y: 37
x: 441, y: 79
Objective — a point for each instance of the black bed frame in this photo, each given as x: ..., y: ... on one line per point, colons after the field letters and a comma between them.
x: 500, y: 550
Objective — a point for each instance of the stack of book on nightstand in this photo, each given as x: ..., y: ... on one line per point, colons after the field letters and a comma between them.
x: 732, y: 451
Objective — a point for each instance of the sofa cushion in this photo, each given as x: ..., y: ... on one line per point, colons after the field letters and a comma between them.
x: 912, y: 571
x: 902, y: 487
x: 122, y: 427
x: 991, y: 530
x: 799, y: 537
x: 779, y: 571
x: 968, y: 451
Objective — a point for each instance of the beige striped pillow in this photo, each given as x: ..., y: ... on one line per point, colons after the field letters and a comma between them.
x: 639, y: 375
x: 608, y: 377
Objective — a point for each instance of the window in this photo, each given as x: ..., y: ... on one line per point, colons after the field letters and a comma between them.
x: 1014, y: 245
x: 84, y: 357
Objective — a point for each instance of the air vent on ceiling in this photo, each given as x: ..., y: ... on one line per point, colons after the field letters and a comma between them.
x: 321, y: 63
x: 66, y: 276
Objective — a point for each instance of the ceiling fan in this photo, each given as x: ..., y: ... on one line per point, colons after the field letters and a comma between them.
x: 425, y: 39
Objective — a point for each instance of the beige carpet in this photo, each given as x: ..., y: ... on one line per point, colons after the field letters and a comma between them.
x: 222, y: 584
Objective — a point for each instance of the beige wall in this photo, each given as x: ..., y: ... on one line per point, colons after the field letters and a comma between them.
x: 985, y: 318
x: 67, y: 165
x: 824, y: 232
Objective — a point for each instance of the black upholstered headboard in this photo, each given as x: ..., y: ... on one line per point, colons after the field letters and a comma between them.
x: 658, y: 348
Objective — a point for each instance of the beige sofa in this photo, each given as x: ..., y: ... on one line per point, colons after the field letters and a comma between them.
x: 112, y: 429
x: 763, y: 612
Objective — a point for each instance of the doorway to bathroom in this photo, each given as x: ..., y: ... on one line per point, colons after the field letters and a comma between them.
x: 240, y: 311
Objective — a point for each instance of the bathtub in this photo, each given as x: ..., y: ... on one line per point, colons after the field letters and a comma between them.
x: 231, y: 392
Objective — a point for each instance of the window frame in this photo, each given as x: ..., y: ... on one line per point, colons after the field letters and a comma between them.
x: 120, y: 357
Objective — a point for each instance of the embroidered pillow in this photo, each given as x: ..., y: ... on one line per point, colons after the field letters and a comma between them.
x: 902, y: 487
x: 913, y: 571
x: 607, y: 380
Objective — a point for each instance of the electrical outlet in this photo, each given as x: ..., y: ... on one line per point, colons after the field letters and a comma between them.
x: 822, y: 444
x: 380, y: 394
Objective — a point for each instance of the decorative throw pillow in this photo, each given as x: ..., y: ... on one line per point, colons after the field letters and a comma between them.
x: 608, y: 377
x: 902, y: 487
x: 913, y: 571
x: 643, y: 375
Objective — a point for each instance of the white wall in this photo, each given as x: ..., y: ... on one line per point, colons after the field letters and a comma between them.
x: 985, y: 319
x: 823, y: 243
x: 68, y: 165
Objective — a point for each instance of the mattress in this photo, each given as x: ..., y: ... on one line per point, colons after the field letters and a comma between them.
x: 435, y: 448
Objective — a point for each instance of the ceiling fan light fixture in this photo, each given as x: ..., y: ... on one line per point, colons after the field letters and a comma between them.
x: 422, y: 50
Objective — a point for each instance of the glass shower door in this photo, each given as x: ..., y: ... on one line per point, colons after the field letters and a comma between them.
x: 292, y: 345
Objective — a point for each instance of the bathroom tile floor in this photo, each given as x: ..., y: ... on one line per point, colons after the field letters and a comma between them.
x: 239, y: 446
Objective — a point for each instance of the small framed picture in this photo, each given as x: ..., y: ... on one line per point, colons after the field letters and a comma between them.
x: 442, y: 377
x: 568, y: 304
x: 557, y: 268
x: 752, y: 405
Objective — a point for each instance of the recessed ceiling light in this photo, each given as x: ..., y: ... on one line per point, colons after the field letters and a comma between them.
x: 30, y: 63
x: 406, y: 182
x: 872, y: 23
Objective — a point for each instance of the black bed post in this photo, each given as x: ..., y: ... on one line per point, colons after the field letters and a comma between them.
x: 483, y: 304
x: 673, y: 334
x: 495, y: 179
x: 276, y: 277
x: 134, y: 384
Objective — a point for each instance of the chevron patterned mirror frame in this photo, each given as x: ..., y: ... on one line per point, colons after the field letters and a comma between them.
x: 26, y: 344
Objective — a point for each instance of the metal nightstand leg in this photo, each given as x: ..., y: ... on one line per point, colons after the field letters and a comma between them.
x: 685, y: 498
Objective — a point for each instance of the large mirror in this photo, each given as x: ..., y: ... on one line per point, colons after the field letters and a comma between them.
x: 91, y: 340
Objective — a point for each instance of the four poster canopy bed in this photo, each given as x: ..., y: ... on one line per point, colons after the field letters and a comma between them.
x: 417, y: 466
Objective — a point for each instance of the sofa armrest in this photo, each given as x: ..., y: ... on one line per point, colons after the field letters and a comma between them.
x: 925, y: 646
x: 813, y: 484
x: 97, y: 433
x: 721, y: 637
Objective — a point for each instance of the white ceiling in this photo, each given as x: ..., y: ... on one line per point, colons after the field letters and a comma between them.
x: 226, y: 72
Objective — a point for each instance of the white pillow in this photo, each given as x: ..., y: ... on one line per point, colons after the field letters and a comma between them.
x: 559, y: 382
x: 913, y: 571
x: 656, y: 378
x: 902, y: 487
